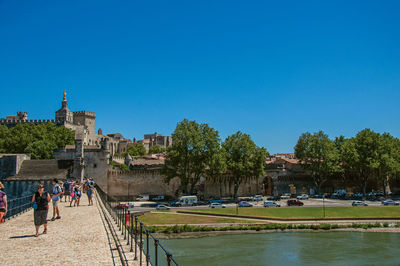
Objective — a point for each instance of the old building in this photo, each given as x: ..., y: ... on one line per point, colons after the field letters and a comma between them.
x: 155, y: 140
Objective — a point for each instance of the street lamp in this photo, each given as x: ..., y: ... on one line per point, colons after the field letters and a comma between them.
x: 323, y: 204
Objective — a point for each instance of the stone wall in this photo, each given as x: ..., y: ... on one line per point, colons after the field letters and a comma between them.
x: 129, y: 185
x: 10, y: 164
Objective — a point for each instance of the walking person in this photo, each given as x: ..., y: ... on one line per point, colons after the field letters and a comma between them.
x: 3, y: 203
x: 90, y: 191
x: 77, y: 194
x: 41, y: 201
x: 55, y: 197
x: 67, y: 190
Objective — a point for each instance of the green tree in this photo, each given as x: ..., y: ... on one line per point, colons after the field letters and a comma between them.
x: 318, y: 155
x: 245, y: 161
x: 366, y: 144
x: 156, y: 149
x: 136, y: 149
x: 187, y: 158
x: 389, y: 159
x: 41, y: 149
x: 42, y: 136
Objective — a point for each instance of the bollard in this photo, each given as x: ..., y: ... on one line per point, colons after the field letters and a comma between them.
x: 136, y: 233
x: 129, y: 231
x: 140, y: 245
x: 147, y: 248
x: 155, y: 252
x: 123, y: 221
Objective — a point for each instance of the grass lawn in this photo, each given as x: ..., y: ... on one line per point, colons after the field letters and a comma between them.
x: 173, y: 218
x: 312, y: 212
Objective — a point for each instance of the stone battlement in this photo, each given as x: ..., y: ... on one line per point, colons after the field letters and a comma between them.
x: 14, y: 122
x: 85, y: 113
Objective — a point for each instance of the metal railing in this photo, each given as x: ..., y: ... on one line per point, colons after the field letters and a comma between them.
x: 138, y: 237
x: 18, y: 206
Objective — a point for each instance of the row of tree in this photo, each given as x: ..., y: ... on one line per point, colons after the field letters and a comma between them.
x: 354, y: 161
x: 38, y: 140
x: 198, y: 151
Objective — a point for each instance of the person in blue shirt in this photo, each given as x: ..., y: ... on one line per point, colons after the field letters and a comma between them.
x: 55, y: 197
x: 67, y: 190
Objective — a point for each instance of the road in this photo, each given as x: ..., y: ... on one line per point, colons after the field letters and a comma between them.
x: 260, y: 204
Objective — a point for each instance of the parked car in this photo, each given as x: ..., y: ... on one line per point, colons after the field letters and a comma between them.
x: 318, y: 196
x: 215, y: 201
x: 217, y: 205
x: 269, y: 203
x: 359, y: 203
x: 302, y: 197
x: 245, y: 204
x: 121, y: 206
x: 175, y: 203
x: 158, y: 198
x: 294, y: 202
x: 286, y: 196
x: 257, y: 198
x: 390, y: 202
x: 162, y: 208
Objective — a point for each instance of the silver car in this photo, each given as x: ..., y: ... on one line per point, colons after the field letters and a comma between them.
x: 359, y: 203
x: 162, y: 208
x: 390, y: 202
x: 217, y: 205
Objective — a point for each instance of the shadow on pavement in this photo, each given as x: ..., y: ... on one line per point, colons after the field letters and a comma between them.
x: 25, y: 236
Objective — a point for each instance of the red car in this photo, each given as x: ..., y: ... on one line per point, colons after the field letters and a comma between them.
x: 294, y: 202
x: 121, y: 206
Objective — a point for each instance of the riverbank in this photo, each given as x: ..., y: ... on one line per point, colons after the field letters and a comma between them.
x: 186, y: 235
x: 176, y: 230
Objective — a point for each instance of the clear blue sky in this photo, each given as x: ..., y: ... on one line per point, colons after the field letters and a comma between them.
x: 272, y: 69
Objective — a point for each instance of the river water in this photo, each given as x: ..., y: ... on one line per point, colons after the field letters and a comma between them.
x: 319, y: 248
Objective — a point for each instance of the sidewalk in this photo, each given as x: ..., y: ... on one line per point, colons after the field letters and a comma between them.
x: 79, y: 237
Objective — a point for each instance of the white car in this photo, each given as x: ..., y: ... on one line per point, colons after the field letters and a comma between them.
x: 271, y: 204
x: 162, y: 208
x: 286, y: 196
x: 217, y: 205
x: 302, y: 197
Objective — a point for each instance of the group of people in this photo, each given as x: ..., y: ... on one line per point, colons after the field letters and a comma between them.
x: 69, y: 190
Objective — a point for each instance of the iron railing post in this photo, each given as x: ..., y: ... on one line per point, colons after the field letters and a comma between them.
x: 155, y: 252
x: 147, y: 248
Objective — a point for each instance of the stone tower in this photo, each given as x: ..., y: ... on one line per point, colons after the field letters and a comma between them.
x: 64, y: 115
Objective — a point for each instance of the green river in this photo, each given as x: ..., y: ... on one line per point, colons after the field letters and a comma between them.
x: 319, y: 248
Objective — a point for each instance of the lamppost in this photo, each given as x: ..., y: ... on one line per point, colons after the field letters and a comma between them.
x: 323, y: 204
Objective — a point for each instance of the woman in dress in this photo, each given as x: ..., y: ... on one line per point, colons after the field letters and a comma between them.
x: 41, y: 199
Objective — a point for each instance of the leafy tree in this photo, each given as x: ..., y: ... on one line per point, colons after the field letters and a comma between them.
x: 41, y: 149
x: 193, y: 146
x: 366, y: 144
x: 245, y: 161
x: 136, y: 149
x: 27, y: 137
x: 389, y: 159
x: 156, y: 149
x: 318, y: 155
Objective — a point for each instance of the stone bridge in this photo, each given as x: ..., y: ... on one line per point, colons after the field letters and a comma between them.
x: 81, y: 236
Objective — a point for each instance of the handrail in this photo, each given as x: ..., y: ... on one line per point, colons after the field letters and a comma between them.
x: 134, y: 231
x: 17, y: 206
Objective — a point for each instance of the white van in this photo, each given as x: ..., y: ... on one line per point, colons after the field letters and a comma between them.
x: 271, y: 204
x: 188, y: 200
